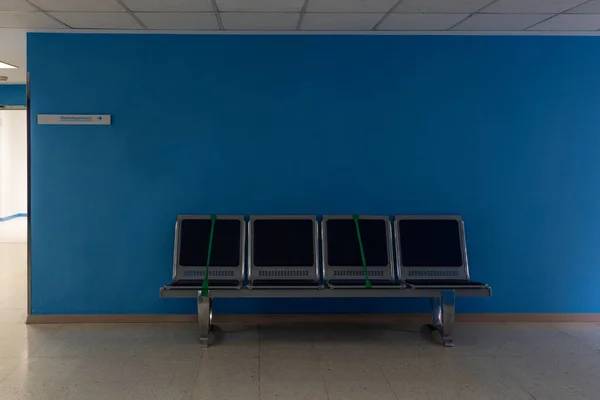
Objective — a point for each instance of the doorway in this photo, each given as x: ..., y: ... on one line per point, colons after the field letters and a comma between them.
x: 13, y: 214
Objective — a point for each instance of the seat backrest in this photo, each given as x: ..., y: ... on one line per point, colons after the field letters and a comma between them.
x: 192, y: 235
x: 342, y: 259
x: 283, y: 247
x: 431, y: 247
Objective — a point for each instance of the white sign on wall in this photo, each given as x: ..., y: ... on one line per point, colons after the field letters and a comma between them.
x: 73, y: 119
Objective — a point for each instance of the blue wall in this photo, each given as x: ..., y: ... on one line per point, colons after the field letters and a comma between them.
x: 13, y: 95
x: 503, y: 130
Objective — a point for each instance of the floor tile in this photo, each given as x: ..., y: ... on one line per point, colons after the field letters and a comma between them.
x: 228, y: 379
x: 180, y: 332
x: 354, y: 379
x: 587, y: 333
x: 119, y: 342
x: 160, y: 389
x: 288, y: 340
x: 452, y: 377
x: 8, y: 366
x: 13, y: 232
x: 41, y: 332
x: 97, y: 390
x: 109, y: 369
x: 165, y: 348
x: 371, y: 341
x: 57, y: 347
x: 509, y: 339
x: 19, y: 347
x: 33, y: 390
x: 175, y: 370
x: 124, y: 368
x: 12, y: 316
x: 233, y: 341
x: 557, y: 378
x: 296, y: 378
x: 46, y: 369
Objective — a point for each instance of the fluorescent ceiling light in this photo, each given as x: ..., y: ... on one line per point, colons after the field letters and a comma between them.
x: 4, y: 65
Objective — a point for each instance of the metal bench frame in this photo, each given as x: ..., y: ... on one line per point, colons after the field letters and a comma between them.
x: 442, y: 301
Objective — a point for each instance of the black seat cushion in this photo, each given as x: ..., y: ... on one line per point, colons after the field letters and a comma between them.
x: 443, y: 282
x: 198, y: 283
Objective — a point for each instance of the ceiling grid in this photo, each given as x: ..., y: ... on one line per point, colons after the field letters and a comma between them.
x: 304, y: 15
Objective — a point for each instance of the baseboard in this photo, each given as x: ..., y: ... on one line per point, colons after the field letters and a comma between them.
x: 267, y: 319
x: 110, y: 318
x: 591, y: 317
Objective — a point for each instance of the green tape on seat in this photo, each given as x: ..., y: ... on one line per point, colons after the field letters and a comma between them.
x: 368, y: 284
x: 204, y: 292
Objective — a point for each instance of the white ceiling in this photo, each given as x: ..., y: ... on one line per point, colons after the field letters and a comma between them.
x: 292, y: 15
x: 13, y: 51
x: 148, y: 16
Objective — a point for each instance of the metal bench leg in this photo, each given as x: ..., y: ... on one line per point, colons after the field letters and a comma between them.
x: 204, y: 318
x: 448, y: 317
x: 436, y: 313
x: 443, y: 316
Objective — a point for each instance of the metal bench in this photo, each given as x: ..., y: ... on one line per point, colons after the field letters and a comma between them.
x: 425, y: 280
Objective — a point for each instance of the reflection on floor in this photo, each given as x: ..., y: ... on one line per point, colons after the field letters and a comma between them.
x: 13, y: 231
x: 314, y: 361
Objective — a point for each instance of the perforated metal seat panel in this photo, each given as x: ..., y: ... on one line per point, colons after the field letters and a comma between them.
x: 283, y: 282
x: 357, y: 283
x: 198, y: 283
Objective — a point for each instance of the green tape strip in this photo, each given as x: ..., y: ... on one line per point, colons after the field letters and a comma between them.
x: 204, y: 292
x: 362, y: 253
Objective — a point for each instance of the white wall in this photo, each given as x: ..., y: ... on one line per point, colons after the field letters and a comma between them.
x: 13, y: 162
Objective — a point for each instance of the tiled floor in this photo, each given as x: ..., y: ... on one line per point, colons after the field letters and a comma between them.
x: 310, y: 362
x: 13, y: 231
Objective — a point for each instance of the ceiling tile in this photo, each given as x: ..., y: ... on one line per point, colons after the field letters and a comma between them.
x: 570, y: 22
x: 350, y: 5
x: 260, y: 21
x: 183, y: 21
x: 592, y: 7
x: 13, y: 51
x: 441, y: 6
x: 260, y: 5
x: 340, y: 22
x: 32, y: 20
x: 500, y: 22
x: 169, y: 5
x: 16, y: 5
x: 531, y: 6
x: 420, y: 22
x: 99, y: 20
x: 78, y: 5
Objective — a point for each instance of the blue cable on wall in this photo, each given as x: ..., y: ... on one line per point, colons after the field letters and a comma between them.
x: 19, y: 215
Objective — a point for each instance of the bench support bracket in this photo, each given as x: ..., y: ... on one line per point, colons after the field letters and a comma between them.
x: 204, y: 318
x: 442, y: 309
